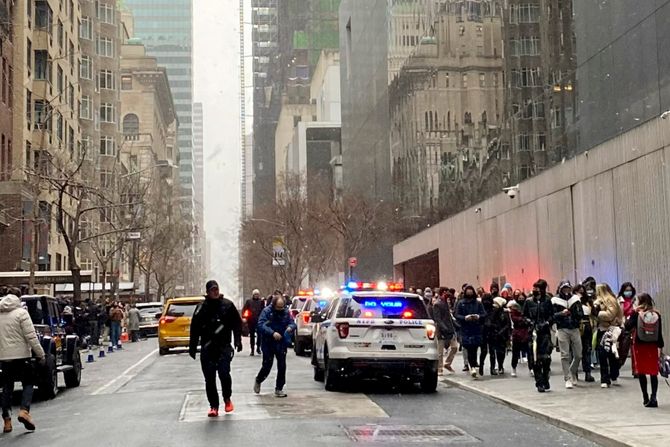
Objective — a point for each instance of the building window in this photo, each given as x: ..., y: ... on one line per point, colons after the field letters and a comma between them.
x: 107, y: 146
x: 86, y: 28
x: 524, y: 172
x: 446, y: 80
x: 43, y: 15
x: 538, y: 109
x: 106, y: 178
x: 86, y: 108
x: 85, y: 68
x: 464, y: 83
x: 106, y: 80
x: 482, y: 79
x: 42, y: 114
x: 61, y: 35
x: 541, y: 142
x: 60, y: 79
x: 131, y: 126
x: 556, y: 118
x: 495, y: 80
x: 526, y: 46
x: 71, y: 57
x: 524, y: 13
x: 70, y: 97
x: 126, y: 82
x: 105, y: 47
x: 526, y: 77
x: 107, y: 113
x: 524, y: 142
x: 59, y: 126
x: 42, y: 65
x: 106, y: 13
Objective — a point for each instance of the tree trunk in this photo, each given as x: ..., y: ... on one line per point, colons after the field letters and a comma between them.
x: 103, y: 293
x: 76, y: 284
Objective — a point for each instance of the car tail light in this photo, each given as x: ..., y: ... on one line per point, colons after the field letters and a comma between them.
x: 342, y: 329
x: 167, y: 319
x: 430, y: 331
x: 305, y: 317
x: 246, y: 314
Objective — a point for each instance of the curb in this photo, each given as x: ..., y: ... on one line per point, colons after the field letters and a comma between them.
x: 579, y: 430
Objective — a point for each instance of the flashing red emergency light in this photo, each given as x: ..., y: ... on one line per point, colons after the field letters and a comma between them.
x: 246, y: 313
x: 305, y: 293
x: 370, y: 286
x: 408, y: 314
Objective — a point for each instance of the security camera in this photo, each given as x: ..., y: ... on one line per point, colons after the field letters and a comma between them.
x: 512, y: 191
x: 665, y: 115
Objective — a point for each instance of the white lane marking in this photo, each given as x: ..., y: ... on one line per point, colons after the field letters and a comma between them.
x: 125, y: 374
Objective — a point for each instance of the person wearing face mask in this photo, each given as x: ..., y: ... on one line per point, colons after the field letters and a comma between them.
x: 585, y: 331
x: 539, y: 311
x: 275, y: 326
x: 590, y: 286
x: 520, y: 332
x: 501, y: 332
x: 627, y: 298
x: 470, y: 315
x: 428, y: 296
x: 568, y: 314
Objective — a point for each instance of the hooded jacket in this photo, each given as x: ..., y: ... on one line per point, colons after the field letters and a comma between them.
x: 272, y: 321
x: 573, y: 304
x: 17, y: 333
x: 471, y: 331
x: 520, y: 333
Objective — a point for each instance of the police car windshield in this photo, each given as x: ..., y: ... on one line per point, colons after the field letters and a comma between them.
x: 389, y: 307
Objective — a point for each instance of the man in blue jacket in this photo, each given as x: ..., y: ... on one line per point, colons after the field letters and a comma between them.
x: 275, y: 327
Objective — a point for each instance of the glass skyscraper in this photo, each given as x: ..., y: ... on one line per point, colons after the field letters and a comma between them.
x: 166, y: 29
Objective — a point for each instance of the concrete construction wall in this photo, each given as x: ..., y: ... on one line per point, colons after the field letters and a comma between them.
x: 604, y: 213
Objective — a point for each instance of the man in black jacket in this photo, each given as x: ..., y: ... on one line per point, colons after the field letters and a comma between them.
x: 446, y: 333
x: 212, y: 324
x: 539, y: 311
x: 251, y: 312
x: 568, y: 314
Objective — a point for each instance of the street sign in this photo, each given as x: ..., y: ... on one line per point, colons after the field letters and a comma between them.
x: 133, y: 236
x: 278, y: 252
x: 353, y: 262
x: 180, y: 288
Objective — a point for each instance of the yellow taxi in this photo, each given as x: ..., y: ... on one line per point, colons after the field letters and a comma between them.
x: 174, y: 325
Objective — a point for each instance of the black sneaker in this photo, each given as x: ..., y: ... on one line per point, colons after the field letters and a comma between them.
x: 653, y: 403
x: 541, y: 389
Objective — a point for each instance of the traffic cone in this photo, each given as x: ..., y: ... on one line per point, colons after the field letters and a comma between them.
x: 90, y: 358
x: 124, y: 338
x: 101, y: 354
x: 110, y: 348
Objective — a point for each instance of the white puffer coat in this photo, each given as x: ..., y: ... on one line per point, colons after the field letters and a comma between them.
x: 17, y: 333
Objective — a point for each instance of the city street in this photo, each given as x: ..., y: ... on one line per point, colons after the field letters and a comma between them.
x: 136, y: 398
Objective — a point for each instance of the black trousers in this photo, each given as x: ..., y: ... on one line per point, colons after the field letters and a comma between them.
x: 13, y: 370
x: 213, y: 363
x: 518, y: 348
x: 272, y: 350
x: 254, y: 339
x: 587, y: 342
x: 472, y: 355
x: 609, y: 364
x: 94, y: 330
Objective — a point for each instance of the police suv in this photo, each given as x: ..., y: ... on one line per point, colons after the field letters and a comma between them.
x: 370, y: 330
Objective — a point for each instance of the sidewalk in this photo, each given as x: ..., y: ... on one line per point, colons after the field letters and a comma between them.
x: 610, y: 417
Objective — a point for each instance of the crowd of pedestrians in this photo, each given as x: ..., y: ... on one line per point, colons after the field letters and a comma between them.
x: 587, y: 323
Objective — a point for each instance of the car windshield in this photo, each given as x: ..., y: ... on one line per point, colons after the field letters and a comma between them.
x: 150, y: 311
x: 390, y: 307
x: 35, y: 310
x: 298, y: 303
x: 181, y: 309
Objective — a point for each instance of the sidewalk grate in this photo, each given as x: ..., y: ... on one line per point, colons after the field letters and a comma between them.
x: 413, y: 434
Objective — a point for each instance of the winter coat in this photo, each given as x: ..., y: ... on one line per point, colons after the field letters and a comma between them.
x: 627, y: 306
x: 520, y: 331
x: 255, y: 307
x: 17, y: 333
x: 487, y: 327
x: 573, y: 305
x: 443, y: 320
x: 501, y: 326
x: 134, y: 319
x: 540, y: 312
x: 272, y: 321
x: 212, y: 324
x: 471, y: 331
x: 116, y: 314
x: 609, y: 312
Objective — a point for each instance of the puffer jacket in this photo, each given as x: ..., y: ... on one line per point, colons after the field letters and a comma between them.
x: 17, y: 333
x: 609, y: 314
x: 272, y: 321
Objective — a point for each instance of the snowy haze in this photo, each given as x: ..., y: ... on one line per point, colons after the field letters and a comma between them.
x: 217, y: 86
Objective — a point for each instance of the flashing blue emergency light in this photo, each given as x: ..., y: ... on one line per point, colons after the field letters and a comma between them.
x: 323, y: 304
x: 353, y: 285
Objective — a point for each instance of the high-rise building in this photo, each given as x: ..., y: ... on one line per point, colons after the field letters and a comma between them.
x: 268, y: 73
x: 166, y: 29
x: 45, y: 124
x: 10, y: 230
x: 101, y: 36
x: 199, y: 186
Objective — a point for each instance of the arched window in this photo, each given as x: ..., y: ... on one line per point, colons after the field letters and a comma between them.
x: 131, y: 127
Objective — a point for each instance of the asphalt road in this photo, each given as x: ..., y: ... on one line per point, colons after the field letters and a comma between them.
x: 136, y: 398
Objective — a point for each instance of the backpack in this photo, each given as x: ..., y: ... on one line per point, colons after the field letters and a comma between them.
x: 648, y: 324
x: 664, y: 365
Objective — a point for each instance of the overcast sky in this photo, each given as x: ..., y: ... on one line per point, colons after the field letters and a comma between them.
x: 217, y: 86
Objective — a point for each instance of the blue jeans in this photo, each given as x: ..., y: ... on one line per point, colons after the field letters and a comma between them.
x: 213, y: 363
x: 270, y: 351
x: 16, y: 370
x: 115, y: 332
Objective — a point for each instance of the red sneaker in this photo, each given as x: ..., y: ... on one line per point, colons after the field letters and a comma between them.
x: 229, y: 406
x: 213, y: 412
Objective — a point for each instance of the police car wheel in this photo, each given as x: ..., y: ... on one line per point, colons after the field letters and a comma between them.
x: 299, y: 348
x: 318, y: 374
x: 331, y: 377
x: 429, y: 381
x: 48, y: 385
